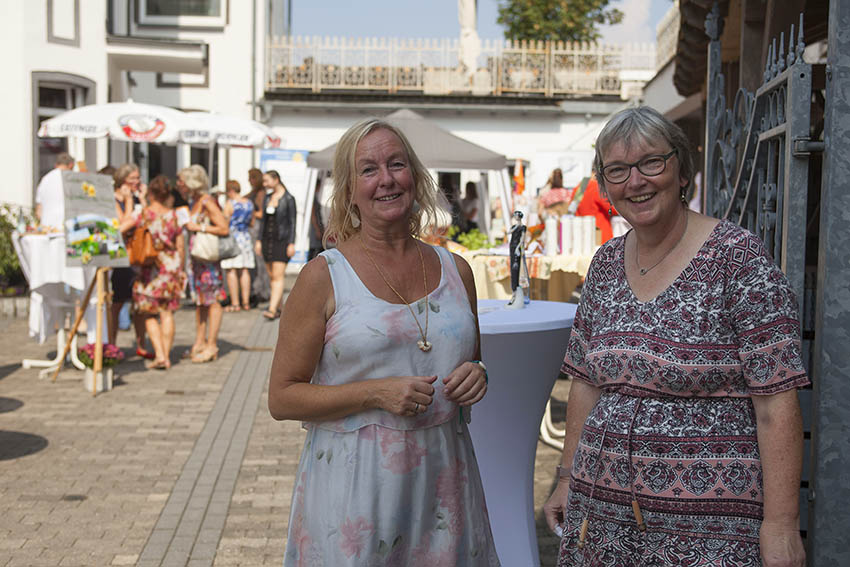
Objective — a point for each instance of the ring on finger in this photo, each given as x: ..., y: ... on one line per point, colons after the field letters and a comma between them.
x: 416, y: 408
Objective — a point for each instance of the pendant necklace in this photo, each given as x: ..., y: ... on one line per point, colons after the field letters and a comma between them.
x: 643, y: 271
x: 423, y: 343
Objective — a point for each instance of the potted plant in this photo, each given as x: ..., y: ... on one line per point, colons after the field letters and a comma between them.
x: 112, y: 355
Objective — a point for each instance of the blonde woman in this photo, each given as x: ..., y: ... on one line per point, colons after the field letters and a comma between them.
x: 206, y: 216
x: 377, y: 354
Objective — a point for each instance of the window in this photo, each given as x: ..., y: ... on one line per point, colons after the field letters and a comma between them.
x: 53, y: 100
x: 188, y: 13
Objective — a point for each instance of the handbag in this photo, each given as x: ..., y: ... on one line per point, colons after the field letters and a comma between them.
x: 228, y: 247
x: 205, y: 246
x: 208, y: 247
x: 140, y: 249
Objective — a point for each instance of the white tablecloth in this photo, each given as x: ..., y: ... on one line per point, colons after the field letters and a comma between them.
x: 553, y: 278
x: 523, y: 350
x: 54, y: 287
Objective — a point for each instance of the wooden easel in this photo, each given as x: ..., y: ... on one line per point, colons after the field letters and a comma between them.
x: 99, y: 281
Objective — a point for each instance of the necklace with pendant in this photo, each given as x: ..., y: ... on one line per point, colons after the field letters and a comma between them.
x: 643, y: 271
x: 422, y: 343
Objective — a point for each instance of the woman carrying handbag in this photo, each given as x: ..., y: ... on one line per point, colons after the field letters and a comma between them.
x: 206, y: 218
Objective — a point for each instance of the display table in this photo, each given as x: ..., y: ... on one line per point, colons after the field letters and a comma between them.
x: 54, y: 290
x: 553, y: 278
x: 523, y: 350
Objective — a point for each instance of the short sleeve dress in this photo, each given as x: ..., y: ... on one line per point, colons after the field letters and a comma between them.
x: 158, y: 286
x: 379, y: 489
x: 674, y: 428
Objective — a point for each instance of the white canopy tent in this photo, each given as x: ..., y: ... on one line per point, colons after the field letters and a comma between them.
x: 437, y: 149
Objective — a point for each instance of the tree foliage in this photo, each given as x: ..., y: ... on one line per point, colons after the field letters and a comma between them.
x: 564, y: 20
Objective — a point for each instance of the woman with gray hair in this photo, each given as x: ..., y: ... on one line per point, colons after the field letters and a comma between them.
x: 207, y: 280
x: 683, y: 438
x: 378, y: 354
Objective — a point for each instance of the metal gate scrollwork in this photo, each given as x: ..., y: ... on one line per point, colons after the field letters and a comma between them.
x: 757, y: 152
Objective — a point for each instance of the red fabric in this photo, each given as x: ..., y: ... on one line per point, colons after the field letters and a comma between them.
x: 592, y: 204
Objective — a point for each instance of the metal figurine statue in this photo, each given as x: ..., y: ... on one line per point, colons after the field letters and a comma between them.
x: 519, y: 269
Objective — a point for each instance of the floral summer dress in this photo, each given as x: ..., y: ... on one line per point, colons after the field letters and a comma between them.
x: 158, y: 286
x: 207, y: 277
x: 378, y: 489
x: 239, y: 228
x: 675, y: 427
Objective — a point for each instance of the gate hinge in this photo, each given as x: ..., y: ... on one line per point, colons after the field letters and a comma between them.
x: 805, y: 146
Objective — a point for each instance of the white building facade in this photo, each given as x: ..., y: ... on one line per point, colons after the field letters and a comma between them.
x: 529, y: 102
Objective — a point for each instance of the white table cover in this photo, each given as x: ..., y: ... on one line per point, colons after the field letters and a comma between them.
x: 523, y: 350
x: 54, y: 287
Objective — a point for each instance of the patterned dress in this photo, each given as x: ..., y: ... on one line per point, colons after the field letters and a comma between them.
x: 675, y: 427
x: 374, y: 488
x: 207, y: 278
x: 239, y: 228
x: 158, y: 286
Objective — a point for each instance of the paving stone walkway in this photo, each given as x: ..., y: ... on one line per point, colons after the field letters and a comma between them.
x: 181, y: 467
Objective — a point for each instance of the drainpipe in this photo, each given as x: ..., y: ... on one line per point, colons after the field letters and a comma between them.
x: 253, y: 70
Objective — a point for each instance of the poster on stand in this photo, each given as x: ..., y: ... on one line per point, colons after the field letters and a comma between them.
x: 91, y: 227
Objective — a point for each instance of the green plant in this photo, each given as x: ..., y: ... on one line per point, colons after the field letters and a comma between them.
x: 10, y: 269
x: 473, y: 240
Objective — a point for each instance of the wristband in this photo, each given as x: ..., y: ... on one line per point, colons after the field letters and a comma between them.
x: 484, y: 368
x: 562, y: 472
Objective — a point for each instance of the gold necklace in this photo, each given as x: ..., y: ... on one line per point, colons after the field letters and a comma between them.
x: 643, y: 271
x: 423, y: 343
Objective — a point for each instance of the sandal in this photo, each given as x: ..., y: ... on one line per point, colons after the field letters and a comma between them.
x: 271, y: 316
x: 205, y: 356
x: 190, y: 352
x: 145, y: 354
x: 156, y: 365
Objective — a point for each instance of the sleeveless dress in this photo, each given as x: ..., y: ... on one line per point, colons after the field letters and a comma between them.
x: 239, y: 221
x: 379, y: 489
x: 675, y: 427
x: 207, y: 277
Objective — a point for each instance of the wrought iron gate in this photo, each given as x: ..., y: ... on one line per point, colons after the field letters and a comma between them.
x: 758, y: 155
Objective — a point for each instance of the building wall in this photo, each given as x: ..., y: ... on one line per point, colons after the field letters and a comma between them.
x: 24, y: 39
x: 229, y: 81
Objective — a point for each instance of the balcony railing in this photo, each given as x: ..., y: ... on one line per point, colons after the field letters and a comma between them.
x: 434, y: 67
x: 667, y: 34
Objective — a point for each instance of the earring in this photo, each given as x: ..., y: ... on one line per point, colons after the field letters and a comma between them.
x: 355, y: 220
x: 682, y: 196
x: 610, y: 210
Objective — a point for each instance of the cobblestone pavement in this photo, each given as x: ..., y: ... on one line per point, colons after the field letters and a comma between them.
x: 177, y: 467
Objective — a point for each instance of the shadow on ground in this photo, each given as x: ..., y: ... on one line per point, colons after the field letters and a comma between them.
x: 15, y: 444
x: 7, y: 369
x: 9, y: 404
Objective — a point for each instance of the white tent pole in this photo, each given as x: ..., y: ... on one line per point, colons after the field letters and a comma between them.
x: 304, y: 234
x: 506, y: 196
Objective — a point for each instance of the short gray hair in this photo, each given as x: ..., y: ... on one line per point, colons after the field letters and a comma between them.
x: 638, y: 125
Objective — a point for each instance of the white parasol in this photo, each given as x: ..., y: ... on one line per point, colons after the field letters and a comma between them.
x: 206, y: 128
x: 126, y: 121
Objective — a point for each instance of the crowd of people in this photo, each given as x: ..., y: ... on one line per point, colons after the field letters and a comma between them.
x: 174, y: 215
x: 683, y: 439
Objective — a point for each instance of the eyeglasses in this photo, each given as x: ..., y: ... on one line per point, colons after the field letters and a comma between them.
x: 649, y: 166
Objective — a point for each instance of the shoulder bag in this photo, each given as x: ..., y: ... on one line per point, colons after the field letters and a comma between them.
x: 140, y: 248
x: 208, y: 247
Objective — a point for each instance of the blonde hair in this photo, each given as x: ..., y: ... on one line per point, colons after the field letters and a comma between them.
x: 195, y: 178
x: 122, y: 173
x: 340, y: 225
